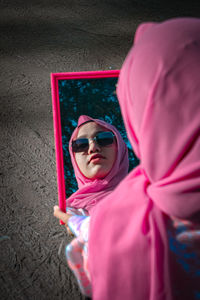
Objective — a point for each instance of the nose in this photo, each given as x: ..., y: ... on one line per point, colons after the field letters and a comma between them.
x: 93, y: 147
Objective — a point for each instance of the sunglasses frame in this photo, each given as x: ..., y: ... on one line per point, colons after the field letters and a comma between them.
x: 94, y: 139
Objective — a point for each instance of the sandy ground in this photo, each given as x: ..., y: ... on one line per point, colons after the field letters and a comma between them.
x: 37, y: 38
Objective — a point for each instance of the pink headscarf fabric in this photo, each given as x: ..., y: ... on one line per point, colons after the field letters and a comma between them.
x: 92, y: 191
x: 159, y: 95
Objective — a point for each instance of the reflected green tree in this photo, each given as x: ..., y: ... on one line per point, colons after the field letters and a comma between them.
x: 95, y: 97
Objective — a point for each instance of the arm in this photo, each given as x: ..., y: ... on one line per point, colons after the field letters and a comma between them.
x: 76, y: 224
x: 62, y: 216
x: 73, y: 221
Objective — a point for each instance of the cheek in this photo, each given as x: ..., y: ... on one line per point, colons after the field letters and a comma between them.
x: 84, y: 168
x: 112, y: 155
x: 80, y: 160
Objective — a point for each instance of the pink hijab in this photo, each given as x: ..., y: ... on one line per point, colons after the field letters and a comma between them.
x: 92, y: 191
x: 159, y: 95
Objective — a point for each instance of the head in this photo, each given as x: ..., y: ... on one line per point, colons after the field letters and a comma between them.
x: 107, y: 163
x: 100, y: 161
x: 95, y: 161
x: 158, y: 92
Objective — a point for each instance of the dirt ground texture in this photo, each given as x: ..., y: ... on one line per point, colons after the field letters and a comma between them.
x: 39, y: 38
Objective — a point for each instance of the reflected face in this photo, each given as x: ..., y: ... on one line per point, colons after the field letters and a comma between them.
x: 96, y: 161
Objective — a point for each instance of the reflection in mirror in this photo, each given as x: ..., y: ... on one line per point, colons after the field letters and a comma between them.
x: 75, y: 94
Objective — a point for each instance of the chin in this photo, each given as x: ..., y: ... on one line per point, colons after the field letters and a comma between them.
x: 99, y: 175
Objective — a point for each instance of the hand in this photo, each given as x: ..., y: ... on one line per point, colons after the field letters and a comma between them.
x: 59, y: 214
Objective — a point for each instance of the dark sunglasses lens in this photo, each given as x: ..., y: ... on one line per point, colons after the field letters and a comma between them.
x: 80, y: 145
x: 105, y: 138
x: 102, y: 138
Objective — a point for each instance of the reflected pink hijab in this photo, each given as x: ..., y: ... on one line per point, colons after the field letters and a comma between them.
x: 92, y: 191
x: 159, y: 95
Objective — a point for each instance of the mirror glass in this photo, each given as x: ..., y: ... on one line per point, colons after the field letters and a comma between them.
x: 86, y: 93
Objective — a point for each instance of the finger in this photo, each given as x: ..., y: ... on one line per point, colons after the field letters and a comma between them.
x: 68, y: 230
x: 61, y: 215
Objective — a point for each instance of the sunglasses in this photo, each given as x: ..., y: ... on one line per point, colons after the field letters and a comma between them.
x: 103, y: 139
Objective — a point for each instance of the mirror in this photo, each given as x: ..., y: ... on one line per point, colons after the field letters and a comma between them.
x: 75, y: 94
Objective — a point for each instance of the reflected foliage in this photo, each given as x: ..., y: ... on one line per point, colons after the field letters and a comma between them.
x: 95, y: 98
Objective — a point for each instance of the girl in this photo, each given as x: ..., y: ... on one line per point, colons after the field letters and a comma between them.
x: 153, y: 249
x: 100, y: 160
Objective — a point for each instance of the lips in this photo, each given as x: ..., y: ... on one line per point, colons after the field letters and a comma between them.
x: 95, y: 156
